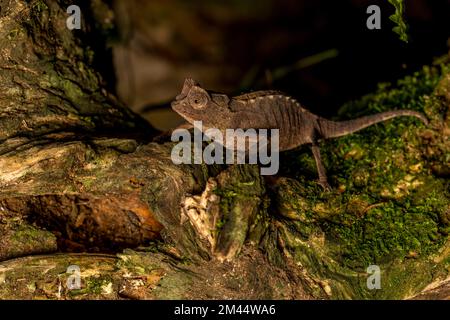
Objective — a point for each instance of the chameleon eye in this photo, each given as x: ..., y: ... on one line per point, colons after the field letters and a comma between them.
x: 198, y: 99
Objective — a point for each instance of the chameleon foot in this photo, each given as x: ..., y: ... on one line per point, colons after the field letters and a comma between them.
x: 324, y: 184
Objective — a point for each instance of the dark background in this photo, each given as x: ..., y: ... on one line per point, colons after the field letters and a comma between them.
x: 237, y: 45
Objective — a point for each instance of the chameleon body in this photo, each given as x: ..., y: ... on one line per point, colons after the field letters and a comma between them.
x: 271, y: 110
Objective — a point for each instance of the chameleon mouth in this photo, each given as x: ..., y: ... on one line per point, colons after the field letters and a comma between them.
x: 175, y: 105
x: 178, y: 108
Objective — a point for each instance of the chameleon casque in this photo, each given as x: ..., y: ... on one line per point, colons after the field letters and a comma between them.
x: 271, y: 110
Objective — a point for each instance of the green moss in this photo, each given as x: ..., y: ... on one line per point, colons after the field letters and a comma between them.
x: 238, y: 186
x: 71, y: 90
x: 388, y: 207
x: 240, y: 190
x: 95, y: 285
x: 383, y: 233
x: 28, y: 238
x: 13, y: 34
x: 39, y: 7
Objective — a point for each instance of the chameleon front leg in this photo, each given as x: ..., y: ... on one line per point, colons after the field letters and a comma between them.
x: 320, y: 168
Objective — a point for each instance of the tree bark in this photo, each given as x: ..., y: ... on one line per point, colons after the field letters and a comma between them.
x: 78, y: 172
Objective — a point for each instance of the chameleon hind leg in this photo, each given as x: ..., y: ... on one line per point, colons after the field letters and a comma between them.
x: 320, y: 168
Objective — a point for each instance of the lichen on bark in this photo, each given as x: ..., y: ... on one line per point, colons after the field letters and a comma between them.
x: 78, y: 172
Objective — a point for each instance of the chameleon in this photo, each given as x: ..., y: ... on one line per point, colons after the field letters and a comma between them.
x: 270, y: 109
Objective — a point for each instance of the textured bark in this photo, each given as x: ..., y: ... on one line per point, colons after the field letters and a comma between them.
x: 78, y: 172
x: 56, y: 118
x: 77, y: 163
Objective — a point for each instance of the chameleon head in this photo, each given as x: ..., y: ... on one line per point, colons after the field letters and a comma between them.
x: 196, y: 104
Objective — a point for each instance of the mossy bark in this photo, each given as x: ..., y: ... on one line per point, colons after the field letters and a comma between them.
x: 78, y: 172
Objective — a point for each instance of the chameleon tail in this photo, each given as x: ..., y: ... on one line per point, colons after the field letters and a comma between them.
x: 333, y: 129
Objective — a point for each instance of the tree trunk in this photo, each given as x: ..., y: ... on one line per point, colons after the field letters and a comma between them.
x: 78, y: 172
